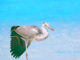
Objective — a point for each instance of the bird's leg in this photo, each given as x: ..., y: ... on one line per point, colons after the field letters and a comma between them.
x: 26, y: 56
x: 26, y: 43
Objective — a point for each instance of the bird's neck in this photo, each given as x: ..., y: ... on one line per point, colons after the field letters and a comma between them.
x: 44, y: 32
x: 42, y: 36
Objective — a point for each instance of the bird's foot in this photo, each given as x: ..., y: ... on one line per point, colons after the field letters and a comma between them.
x: 26, y: 56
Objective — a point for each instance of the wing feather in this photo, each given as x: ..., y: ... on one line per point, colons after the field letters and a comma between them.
x: 17, y: 45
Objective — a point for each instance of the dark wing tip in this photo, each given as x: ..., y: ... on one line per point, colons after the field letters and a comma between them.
x: 17, y: 45
x: 14, y: 27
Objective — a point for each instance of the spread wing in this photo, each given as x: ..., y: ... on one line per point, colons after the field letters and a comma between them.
x: 17, y: 45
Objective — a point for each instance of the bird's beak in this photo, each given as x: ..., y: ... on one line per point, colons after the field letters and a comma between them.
x: 50, y: 28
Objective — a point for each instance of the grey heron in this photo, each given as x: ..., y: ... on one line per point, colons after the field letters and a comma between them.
x: 22, y: 36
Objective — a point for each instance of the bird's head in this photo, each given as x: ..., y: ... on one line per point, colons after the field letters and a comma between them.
x: 46, y: 25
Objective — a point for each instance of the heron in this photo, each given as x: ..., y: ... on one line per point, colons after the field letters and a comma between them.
x: 22, y: 36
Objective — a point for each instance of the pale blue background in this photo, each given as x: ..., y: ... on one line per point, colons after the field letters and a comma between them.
x: 62, y: 15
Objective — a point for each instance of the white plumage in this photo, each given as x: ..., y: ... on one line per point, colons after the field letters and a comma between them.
x: 26, y: 34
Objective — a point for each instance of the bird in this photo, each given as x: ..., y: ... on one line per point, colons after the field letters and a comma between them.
x: 22, y: 36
